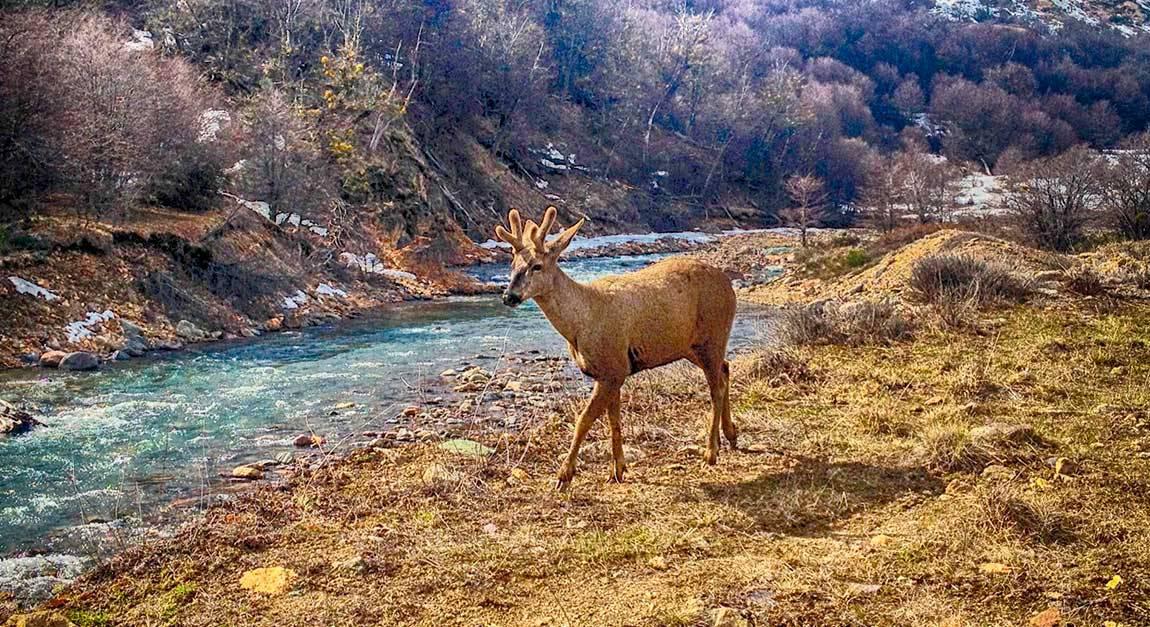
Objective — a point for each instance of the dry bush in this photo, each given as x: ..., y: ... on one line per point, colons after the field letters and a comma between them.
x: 957, y: 286
x: 1004, y: 509
x: 1126, y: 189
x: 1084, y: 280
x: 852, y: 324
x: 783, y: 366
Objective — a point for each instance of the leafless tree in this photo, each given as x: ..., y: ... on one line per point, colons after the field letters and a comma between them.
x: 927, y: 184
x: 1126, y: 188
x: 808, y: 204
x: 1054, y: 199
x: 882, y: 197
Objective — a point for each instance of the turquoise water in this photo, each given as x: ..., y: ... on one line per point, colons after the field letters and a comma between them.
x: 123, y: 442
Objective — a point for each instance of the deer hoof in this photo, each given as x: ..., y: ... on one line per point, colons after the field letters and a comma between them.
x: 617, y: 475
x: 566, y: 473
x: 710, y: 457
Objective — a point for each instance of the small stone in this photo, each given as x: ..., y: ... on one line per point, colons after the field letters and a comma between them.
x: 881, y: 540
x: 79, y: 360
x: 274, y: 324
x: 411, y: 410
x: 490, y: 529
x: 658, y: 563
x: 1118, y: 371
x: 447, y: 374
x: 513, y: 386
x: 346, y: 405
x: 273, y: 580
x: 356, y: 565
x: 1049, y: 617
x: 286, y: 457
x: 247, y: 472
x: 308, y: 440
x: 518, y: 475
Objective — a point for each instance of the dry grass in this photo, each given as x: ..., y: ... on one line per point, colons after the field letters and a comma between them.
x: 859, y: 500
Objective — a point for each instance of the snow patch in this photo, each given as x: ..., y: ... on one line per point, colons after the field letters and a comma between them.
x: 82, y: 329
x: 326, y: 290
x: 295, y: 300
x: 141, y: 40
x: 28, y: 287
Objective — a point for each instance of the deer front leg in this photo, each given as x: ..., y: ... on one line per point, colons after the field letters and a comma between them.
x: 618, y: 463
x: 594, y: 409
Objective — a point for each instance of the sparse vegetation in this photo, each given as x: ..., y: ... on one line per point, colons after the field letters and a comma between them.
x: 852, y: 324
x: 949, y: 280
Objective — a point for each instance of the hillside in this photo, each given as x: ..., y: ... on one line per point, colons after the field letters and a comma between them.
x: 953, y: 477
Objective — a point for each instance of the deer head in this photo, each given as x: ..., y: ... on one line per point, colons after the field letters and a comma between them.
x: 534, y: 268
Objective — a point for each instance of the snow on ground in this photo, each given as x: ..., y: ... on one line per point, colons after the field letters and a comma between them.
x: 326, y: 290
x: 82, y: 329
x: 371, y: 264
x: 27, y: 287
x: 980, y: 194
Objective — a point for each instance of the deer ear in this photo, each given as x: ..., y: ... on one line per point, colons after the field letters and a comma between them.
x: 560, y: 244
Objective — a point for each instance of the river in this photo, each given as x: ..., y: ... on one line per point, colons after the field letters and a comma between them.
x: 123, y: 442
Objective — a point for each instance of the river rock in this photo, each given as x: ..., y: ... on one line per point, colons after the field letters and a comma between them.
x: 14, y: 419
x: 308, y: 440
x: 79, y: 360
x: 52, y: 359
x: 190, y: 332
x: 134, y: 343
x: 248, y: 472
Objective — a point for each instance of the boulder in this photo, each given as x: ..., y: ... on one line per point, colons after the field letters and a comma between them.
x: 79, y: 360
x: 308, y: 440
x: 190, y: 332
x: 52, y: 359
x: 248, y: 472
x: 14, y: 419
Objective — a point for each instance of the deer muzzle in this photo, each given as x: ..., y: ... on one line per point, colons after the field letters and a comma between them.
x: 511, y: 299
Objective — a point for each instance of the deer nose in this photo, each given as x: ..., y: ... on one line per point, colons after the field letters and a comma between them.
x: 511, y: 299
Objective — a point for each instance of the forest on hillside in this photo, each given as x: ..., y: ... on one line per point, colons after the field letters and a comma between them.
x: 314, y: 106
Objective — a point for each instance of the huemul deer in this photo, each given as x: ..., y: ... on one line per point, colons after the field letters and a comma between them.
x: 617, y: 326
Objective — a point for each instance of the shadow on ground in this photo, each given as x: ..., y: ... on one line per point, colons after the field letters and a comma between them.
x: 808, y: 497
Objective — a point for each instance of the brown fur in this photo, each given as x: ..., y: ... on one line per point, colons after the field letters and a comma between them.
x: 617, y: 326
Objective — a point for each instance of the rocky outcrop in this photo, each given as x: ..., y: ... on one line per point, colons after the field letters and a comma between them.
x: 52, y: 359
x: 14, y: 419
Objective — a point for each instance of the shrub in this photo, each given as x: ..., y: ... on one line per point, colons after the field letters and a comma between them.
x: 1126, y: 189
x: 856, y: 258
x: 853, y: 324
x: 1084, y: 280
x: 948, y: 278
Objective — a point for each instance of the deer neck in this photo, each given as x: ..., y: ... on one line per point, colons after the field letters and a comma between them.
x: 567, y: 306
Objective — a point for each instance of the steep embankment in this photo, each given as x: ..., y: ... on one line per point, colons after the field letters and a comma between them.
x: 954, y: 479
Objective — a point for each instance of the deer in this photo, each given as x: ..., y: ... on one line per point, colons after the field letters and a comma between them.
x: 617, y: 326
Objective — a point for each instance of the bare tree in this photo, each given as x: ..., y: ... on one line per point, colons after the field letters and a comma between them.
x: 882, y: 198
x: 808, y: 204
x: 927, y: 184
x: 1126, y: 189
x: 1054, y: 199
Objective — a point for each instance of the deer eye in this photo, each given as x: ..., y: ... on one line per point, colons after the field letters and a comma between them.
x: 537, y: 267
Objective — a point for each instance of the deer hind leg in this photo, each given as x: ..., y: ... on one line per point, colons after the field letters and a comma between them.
x: 618, y: 463
x: 729, y: 428
x: 595, y: 408
x: 716, y: 380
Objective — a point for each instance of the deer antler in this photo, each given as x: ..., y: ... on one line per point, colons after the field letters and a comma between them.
x: 515, y: 236
x: 539, y: 236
